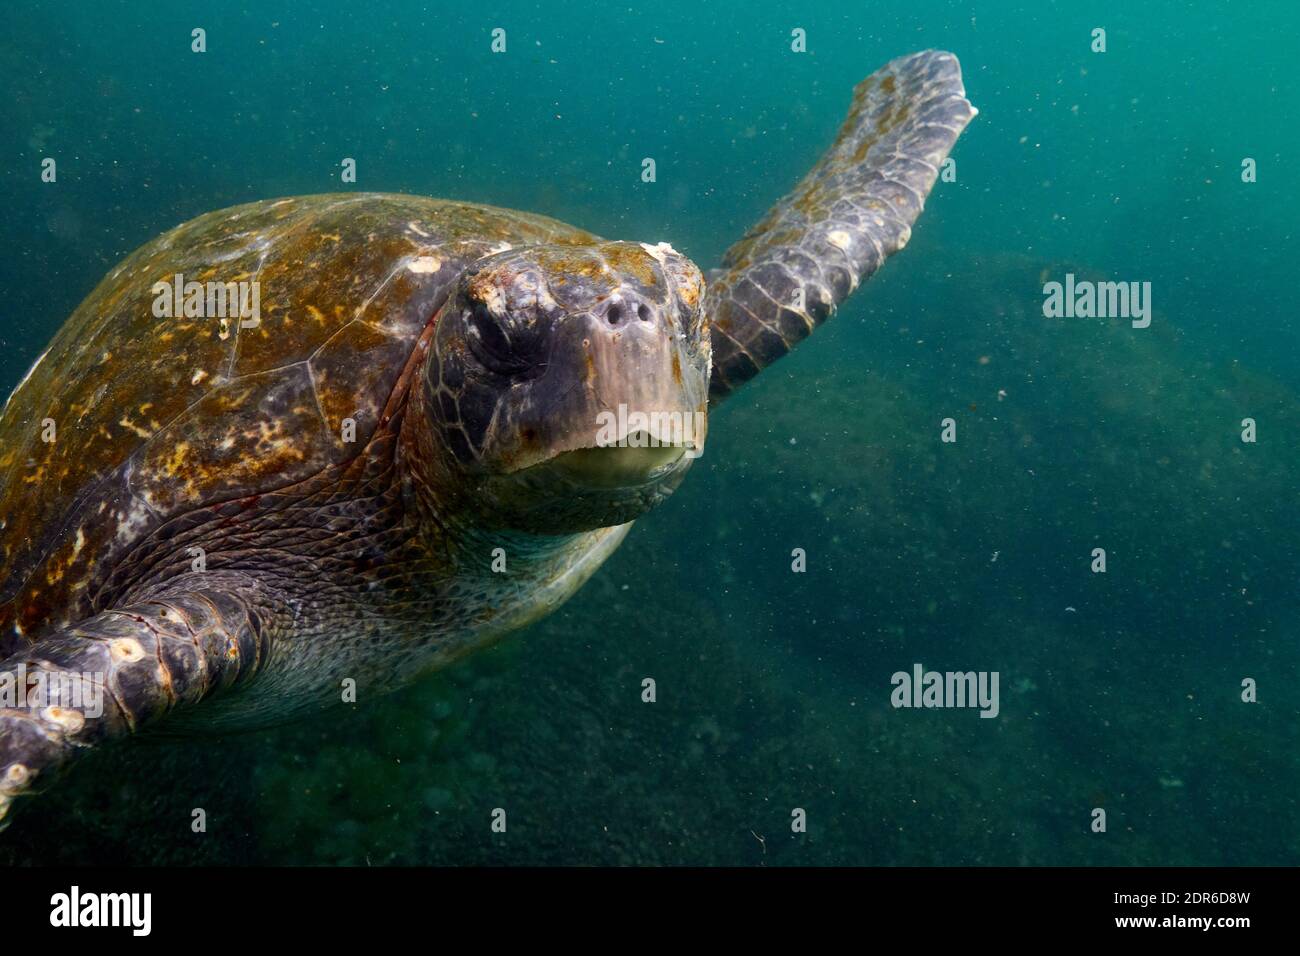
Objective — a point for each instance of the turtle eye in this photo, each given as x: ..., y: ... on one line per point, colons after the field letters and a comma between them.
x: 692, y: 320
x: 492, y: 346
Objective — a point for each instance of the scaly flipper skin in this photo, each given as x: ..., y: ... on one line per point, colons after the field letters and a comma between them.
x: 122, y: 670
x: 850, y: 213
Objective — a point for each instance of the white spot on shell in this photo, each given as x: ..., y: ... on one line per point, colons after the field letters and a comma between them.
x: 424, y: 264
x: 660, y: 251
x: 198, y: 376
x: 839, y: 239
x: 417, y: 230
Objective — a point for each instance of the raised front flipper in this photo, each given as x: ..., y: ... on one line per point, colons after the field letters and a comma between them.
x: 851, y: 212
x: 124, y: 669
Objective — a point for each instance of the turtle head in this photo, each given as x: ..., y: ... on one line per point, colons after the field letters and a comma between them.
x: 568, y: 384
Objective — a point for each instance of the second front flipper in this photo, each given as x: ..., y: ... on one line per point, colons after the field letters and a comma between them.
x: 850, y: 213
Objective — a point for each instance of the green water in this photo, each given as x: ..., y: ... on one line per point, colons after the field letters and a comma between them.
x: 1120, y: 691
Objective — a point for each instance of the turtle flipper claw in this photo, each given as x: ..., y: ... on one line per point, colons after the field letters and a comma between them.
x: 34, y: 746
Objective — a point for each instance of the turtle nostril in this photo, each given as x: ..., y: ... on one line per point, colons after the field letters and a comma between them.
x: 614, y: 316
x: 643, y: 312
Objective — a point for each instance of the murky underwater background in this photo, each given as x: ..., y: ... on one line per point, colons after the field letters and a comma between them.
x: 1118, y: 690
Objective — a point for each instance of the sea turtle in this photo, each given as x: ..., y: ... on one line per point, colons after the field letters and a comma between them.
x: 396, y: 454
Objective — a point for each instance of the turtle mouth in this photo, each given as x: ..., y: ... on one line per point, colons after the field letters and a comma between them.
x: 590, y: 486
x: 631, y: 465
